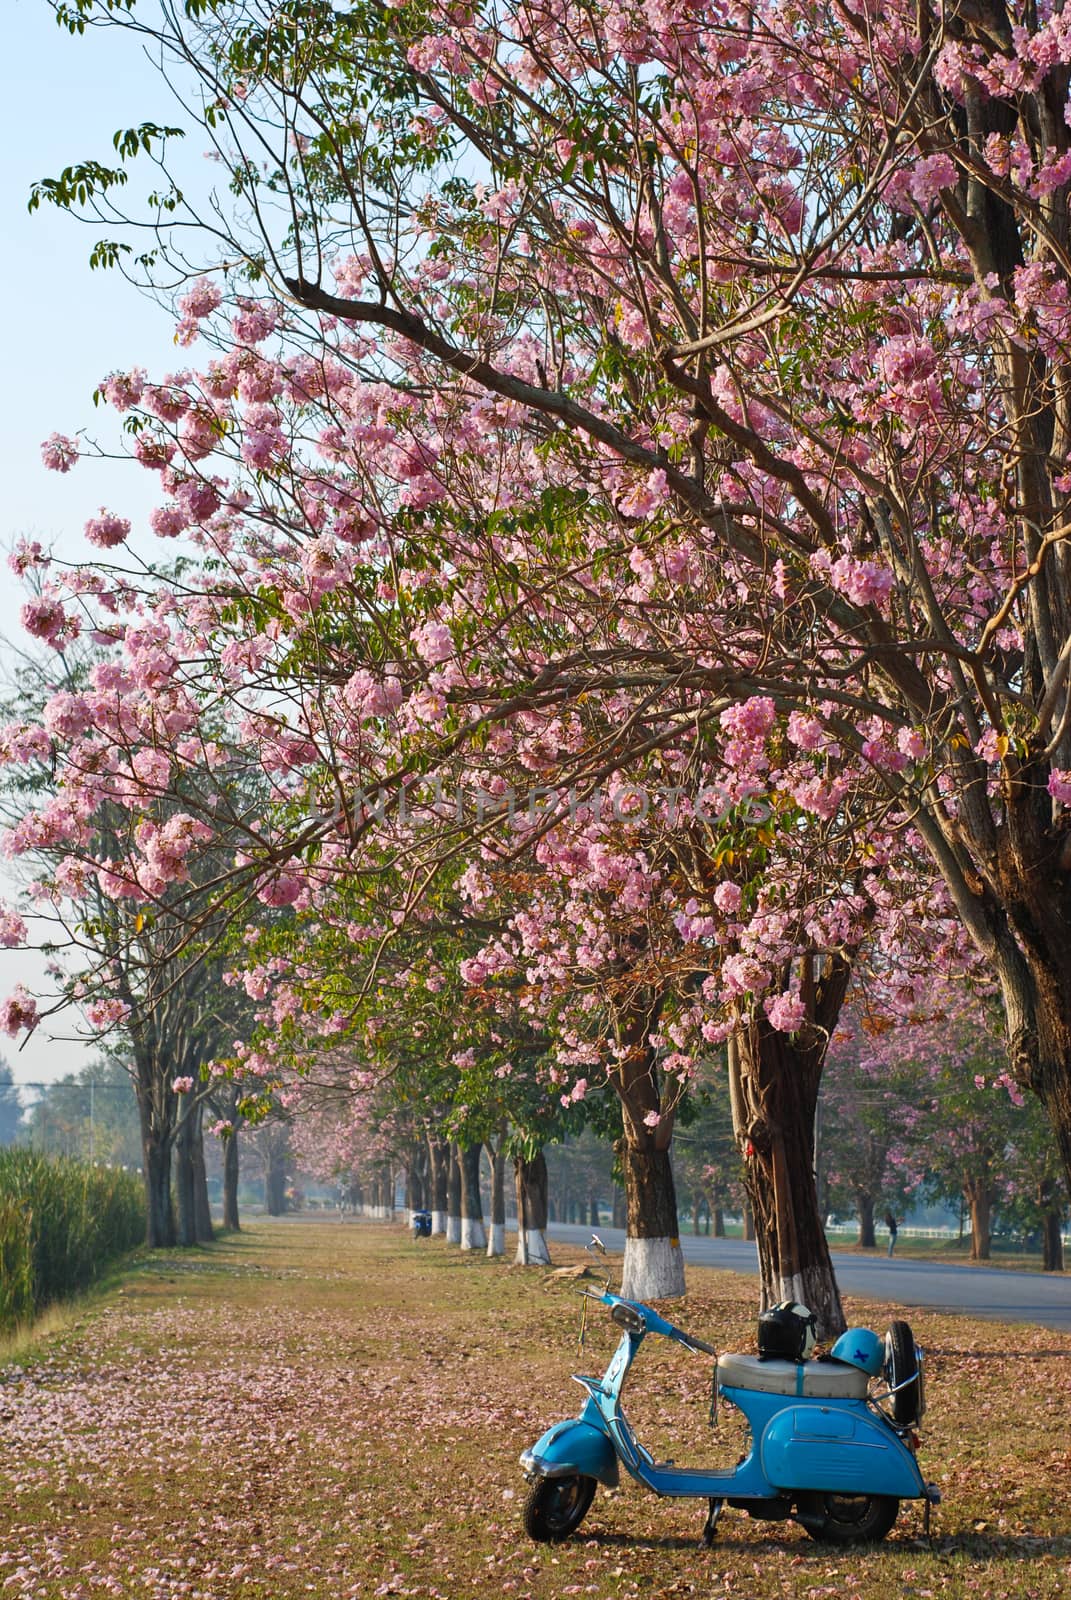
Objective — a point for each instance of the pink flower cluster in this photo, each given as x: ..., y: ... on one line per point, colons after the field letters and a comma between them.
x: 47, y: 618
x: 200, y: 300
x: 107, y: 530
x: 747, y: 725
x: 786, y: 1012
x: 1060, y: 786
x: 104, y: 1014
x: 18, y: 1013
x: 59, y: 453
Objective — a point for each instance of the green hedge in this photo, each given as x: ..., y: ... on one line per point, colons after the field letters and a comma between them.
x: 61, y: 1222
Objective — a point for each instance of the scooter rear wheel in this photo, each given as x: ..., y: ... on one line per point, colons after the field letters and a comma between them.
x: 848, y: 1518
x: 556, y: 1507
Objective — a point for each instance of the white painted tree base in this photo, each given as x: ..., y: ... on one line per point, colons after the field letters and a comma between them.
x: 453, y: 1230
x: 473, y: 1236
x: 496, y: 1239
x: 653, y: 1269
x: 538, y: 1254
x: 791, y: 1289
x: 438, y: 1223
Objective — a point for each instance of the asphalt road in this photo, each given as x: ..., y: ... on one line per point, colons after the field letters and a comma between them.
x: 978, y: 1291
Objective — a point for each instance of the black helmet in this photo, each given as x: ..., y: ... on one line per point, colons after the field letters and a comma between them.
x: 787, y: 1332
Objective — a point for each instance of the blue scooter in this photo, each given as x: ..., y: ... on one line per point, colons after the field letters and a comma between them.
x: 824, y: 1449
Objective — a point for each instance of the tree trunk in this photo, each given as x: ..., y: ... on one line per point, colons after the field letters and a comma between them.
x: 864, y: 1204
x: 275, y: 1182
x: 719, y: 1223
x: 977, y: 1195
x: 185, y: 1176
x: 531, y: 1180
x: 1054, y: 1092
x: 416, y: 1197
x: 1030, y: 949
x: 230, y: 1182
x: 496, y: 1239
x: 438, y: 1182
x: 473, y: 1236
x: 453, y: 1190
x: 593, y: 1212
x: 415, y: 1176
x: 697, y: 1213
x: 159, y: 1211
x: 618, y: 1214
x: 774, y: 1080
x: 202, y: 1211
x: 653, y: 1267
x: 156, y: 1102
x: 1052, y: 1244
x: 748, y: 1221
x: 654, y: 1264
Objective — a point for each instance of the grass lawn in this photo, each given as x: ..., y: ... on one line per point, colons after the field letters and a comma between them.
x: 336, y: 1410
x: 945, y: 1251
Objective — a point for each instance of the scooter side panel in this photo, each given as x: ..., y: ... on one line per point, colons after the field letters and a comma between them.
x: 573, y: 1446
x: 839, y: 1449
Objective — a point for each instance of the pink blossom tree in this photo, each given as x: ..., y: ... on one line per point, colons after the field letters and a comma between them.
x: 548, y: 289
x: 656, y: 937
x: 922, y: 1097
x: 120, y: 904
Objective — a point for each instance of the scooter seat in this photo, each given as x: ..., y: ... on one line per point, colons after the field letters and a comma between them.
x: 816, y: 1380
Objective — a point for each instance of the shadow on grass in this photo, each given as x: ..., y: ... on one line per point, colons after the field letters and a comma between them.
x: 1003, y: 1547
x: 972, y: 1546
x: 628, y: 1541
x: 996, y: 1355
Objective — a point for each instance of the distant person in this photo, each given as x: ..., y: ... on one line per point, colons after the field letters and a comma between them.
x: 890, y: 1223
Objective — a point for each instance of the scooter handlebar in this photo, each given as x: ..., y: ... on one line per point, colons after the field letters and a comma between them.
x: 652, y: 1322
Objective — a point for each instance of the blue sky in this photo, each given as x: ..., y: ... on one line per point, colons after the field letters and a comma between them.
x: 65, y: 327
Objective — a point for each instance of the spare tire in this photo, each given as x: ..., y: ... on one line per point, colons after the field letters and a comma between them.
x: 903, y: 1374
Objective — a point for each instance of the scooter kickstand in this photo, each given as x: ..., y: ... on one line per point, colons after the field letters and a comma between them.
x: 710, y: 1527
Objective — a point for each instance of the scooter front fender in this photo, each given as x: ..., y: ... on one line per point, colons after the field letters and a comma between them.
x: 840, y: 1449
x: 573, y: 1446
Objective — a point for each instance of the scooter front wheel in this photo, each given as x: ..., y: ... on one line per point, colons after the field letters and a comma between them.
x: 556, y: 1507
x: 848, y: 1518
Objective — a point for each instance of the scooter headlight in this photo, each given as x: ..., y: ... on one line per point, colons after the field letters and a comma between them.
x: 629, y: 1318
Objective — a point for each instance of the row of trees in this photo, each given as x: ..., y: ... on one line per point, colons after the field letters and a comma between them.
x: 906, y: 1117
x: 93, y: 1115
x: 925, y: 1117
x: 557, y: 684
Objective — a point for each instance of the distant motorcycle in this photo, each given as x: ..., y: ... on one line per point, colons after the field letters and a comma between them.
x: 825, y: 1450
